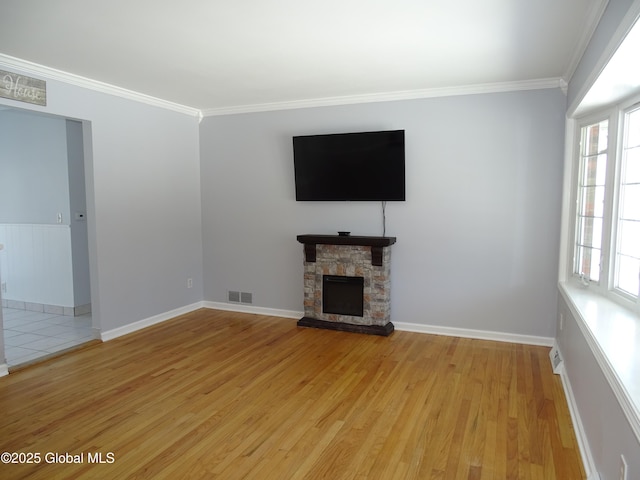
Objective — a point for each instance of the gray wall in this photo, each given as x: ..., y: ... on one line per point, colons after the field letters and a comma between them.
x: 477, y: 237
x: 34, y: 184
x: 143, y: 189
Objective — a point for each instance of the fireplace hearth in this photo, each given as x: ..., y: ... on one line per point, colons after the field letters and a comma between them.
x: 347, y: 284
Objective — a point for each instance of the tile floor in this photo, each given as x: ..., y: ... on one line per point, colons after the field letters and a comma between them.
x: 30, y: 335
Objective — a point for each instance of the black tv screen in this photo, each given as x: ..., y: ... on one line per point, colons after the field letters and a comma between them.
x: 350, y: 166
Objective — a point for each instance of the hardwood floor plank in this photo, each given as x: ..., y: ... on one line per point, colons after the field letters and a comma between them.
x: 215, y: 394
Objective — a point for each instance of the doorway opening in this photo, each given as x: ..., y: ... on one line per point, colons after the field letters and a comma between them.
x: 44, y: 266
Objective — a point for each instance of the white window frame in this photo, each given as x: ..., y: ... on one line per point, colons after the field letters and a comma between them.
x: 617, y: 294
x: 605, y: 286
x: 582, y: 123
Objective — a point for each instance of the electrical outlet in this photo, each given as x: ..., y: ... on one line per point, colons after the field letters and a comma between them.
x: 624, y: 473
x: 561, y: 321
x: 189, y: 283
x: 4, y: 287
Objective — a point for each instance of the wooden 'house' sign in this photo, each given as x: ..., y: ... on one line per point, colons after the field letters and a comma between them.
x: 23, y: 89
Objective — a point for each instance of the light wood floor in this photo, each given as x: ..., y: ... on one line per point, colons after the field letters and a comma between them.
x: 232, y: 396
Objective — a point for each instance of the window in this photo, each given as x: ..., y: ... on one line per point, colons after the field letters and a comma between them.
x: 627, y: 251
x: 606, y: 247
x: 591, y: 188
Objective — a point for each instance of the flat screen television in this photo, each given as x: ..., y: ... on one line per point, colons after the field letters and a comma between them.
x: 366, y: 166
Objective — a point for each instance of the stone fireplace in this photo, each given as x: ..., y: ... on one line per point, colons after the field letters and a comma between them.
x: 347, y: 283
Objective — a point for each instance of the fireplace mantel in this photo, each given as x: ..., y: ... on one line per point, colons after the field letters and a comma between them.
x: 346, y: 240
x: 376, y: 244
x: 348, y: 256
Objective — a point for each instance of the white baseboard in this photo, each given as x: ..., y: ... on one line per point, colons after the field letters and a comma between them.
x: 401, y: 326
x: 4, y: 369
x: 147, y: 322
x: 243, y: 308
x: 478, y: 334
x: 583, y: 444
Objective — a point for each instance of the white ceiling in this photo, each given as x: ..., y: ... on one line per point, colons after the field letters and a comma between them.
x: 210, y: 54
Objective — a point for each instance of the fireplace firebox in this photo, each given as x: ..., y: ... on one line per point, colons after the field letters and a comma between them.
x: 343, y: 295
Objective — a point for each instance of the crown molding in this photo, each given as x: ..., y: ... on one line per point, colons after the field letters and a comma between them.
x: 31, y: 68
x: 390, y: 96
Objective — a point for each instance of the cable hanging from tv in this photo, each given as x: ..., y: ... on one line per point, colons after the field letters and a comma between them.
x: 384, y: 218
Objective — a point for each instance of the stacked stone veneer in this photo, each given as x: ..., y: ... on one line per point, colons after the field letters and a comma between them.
x: 350, y: 261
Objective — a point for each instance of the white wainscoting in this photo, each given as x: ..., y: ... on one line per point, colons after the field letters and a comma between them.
x: 36, y: 264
